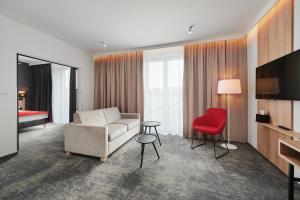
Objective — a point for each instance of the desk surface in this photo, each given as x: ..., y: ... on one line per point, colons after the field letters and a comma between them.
x: 289, y: 150
x: 291, y: 133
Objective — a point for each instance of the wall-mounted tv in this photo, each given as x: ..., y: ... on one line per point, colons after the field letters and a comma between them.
x: 279, y: 79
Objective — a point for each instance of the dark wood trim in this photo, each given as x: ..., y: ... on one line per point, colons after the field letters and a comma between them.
x: 19, y: 54
x: 7, y: 157
x: 17, y: 95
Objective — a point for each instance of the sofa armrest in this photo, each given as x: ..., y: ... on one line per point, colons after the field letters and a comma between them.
x: 86, y: 139
x: 131, y: 115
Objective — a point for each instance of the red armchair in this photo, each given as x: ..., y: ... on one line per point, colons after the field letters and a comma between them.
x: 212, y: 123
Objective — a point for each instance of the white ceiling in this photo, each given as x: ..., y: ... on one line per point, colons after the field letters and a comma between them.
x: 130, y: 24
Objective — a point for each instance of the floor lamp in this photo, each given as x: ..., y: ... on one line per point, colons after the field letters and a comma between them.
x: 229, y: 86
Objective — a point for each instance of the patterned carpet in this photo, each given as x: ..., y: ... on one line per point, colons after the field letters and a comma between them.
x: 42, y: 170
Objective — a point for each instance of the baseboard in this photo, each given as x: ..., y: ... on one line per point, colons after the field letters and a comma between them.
x: 7, y: 157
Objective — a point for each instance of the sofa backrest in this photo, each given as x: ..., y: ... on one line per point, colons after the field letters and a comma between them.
x: 112, y: 114
x: 94, y: 117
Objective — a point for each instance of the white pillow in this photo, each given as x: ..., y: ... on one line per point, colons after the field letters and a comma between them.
x: 94, y: 117
x: 112, y: 114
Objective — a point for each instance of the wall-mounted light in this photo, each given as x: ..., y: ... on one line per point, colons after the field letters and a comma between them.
x: 22, y: 94
x: 191, y: 27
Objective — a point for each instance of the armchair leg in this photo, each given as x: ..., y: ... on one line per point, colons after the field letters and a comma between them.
x: 227, y: 151
x: 192, y: 147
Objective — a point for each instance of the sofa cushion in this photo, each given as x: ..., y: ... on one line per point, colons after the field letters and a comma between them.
x: 130, y: 123
x: 94, y: 117
x: 115, y: 130
x: 111, y: 114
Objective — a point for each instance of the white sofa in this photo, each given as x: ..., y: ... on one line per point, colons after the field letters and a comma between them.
x: 100, y: 132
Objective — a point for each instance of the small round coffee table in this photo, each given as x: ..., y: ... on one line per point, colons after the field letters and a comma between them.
x: 144, y: 139
x: 149, y: 125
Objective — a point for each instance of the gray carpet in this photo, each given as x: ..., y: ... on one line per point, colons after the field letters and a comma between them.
x: 42, y: 171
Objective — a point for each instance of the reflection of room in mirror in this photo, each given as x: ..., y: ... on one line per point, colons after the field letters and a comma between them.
x: 268, y: 85
x: 46, y: 92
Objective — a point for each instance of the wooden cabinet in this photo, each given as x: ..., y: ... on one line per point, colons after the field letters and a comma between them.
x: 263, y: 140
x: 268, y: 137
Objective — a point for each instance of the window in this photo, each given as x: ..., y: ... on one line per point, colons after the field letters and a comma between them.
x: 163, y: 81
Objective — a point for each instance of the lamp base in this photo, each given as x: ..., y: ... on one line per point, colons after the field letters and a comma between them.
x: 230, y: 146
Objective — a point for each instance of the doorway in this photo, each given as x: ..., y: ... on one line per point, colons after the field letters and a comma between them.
x: 47, y: 93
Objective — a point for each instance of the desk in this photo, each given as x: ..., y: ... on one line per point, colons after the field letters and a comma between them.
x: 289, y: 150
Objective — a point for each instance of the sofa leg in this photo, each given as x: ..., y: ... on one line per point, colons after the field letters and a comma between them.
x: 103, y: 158
x: 68, y: 153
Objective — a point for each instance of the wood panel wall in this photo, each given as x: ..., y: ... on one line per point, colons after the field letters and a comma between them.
x: 275, y: 39
x: 275, y: 32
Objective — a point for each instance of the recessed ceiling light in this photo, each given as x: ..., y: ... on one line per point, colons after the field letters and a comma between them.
x: 103, y: 43
x: 191, y: 27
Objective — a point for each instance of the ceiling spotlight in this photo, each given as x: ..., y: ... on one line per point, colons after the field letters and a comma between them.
x: 191, y: 29
x: 103, y: 43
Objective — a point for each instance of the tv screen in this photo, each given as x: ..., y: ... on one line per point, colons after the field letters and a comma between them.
x: 279, y: 79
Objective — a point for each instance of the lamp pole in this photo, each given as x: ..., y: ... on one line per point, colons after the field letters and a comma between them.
x: 230, y: 146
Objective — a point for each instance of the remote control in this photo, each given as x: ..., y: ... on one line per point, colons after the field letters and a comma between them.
x: 283, y: 127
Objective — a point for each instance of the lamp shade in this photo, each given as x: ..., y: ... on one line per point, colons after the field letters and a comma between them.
x: 229, y: 86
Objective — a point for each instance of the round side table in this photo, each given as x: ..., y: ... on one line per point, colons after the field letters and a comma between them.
x: 144, y: 139
x: 149, y: 125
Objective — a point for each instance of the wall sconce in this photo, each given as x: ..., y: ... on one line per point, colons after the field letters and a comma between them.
x: 22, y: 94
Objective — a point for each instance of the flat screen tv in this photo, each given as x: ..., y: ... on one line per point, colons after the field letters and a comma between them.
x: 279, y: 79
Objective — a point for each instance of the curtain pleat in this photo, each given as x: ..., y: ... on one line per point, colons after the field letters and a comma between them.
x: 236, y: 67
x: 204, y: 65
x: 41, y: 98
x: 119, y: 82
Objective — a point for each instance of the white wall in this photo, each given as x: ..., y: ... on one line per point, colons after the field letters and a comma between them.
x: 17, y: 38
x: 296, y: 107
x: 296, y: 47
x: 252, y: 64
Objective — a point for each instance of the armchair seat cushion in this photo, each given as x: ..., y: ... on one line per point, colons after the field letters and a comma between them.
x: 207, y: 129
x: 130, y: 123
x: 115, y: 130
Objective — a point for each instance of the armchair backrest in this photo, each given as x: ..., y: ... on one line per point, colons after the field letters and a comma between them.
x: 217, y: 117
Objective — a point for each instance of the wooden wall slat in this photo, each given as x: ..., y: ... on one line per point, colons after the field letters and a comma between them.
x: 281, y: 112
x: 274, y: 40
x: 275, y: 32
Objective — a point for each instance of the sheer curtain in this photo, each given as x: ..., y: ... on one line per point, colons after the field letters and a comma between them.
x: 60, y: 93
x: 163, y: 83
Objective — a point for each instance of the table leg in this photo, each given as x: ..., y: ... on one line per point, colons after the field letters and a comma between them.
x: 291, y: 182
x: 149, y: 129
x: 155, y: 150
x: 157, y: 135
x: 145, y: 130
x: 143, y: 148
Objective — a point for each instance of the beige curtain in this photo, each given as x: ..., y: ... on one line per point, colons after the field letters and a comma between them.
x: 119, y: 82
x: 205, y: 64
x: 236, y: 67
